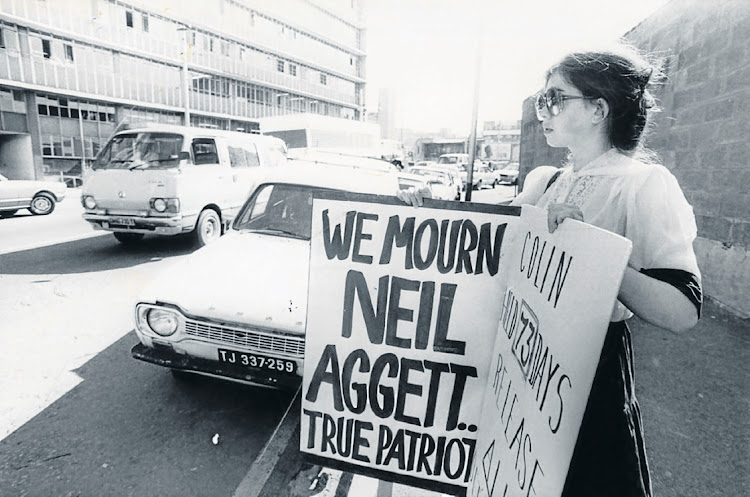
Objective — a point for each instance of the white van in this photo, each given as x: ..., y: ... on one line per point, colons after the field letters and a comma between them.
x: 166, y: 180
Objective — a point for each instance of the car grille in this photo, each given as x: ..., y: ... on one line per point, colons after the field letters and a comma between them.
x: 256, y: 340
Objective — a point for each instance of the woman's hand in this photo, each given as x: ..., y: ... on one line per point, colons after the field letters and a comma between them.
x: 557, y: 213
x: 414, y: 196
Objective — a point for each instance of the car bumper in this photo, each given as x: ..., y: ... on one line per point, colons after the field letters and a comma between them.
x: 164, y: 356
x: 145, y: 225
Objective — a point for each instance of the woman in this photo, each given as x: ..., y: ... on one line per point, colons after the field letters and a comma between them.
x: 598, y: 106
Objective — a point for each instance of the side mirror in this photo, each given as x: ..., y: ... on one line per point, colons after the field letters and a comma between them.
x: 184, y: 155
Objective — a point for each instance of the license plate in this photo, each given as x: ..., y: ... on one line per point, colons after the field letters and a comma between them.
x: 122, y: 221
x: 257, y: 361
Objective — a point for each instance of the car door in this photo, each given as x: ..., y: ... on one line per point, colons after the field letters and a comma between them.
x: 14, y: 194
x: 208, y: 180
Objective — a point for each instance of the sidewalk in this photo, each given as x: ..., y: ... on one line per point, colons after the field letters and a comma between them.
x: 694, y: 391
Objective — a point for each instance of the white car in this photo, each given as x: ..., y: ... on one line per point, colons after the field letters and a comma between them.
x: 508, y: 174
x: 444, y: 184
x: 39, y: 197
x: 237, y: 308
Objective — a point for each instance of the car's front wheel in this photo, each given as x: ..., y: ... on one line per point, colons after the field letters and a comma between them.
x: 4, y: 214
x: 128, y: 238
x: 208, y: 227
x: 42, y: 204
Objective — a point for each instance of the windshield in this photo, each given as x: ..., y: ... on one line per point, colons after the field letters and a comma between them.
x: 141, y: 150
x: 278, y: 209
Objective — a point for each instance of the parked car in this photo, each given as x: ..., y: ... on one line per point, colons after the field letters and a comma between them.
x: 509, y: 174
x: 445, y: 184
x: 410, y: 180
x: 237, y: 308
x: 39, y: 197
x: 424, y: 163
x: 481, y: 176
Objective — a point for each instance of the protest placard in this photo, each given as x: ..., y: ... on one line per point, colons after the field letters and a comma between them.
x: 559, y: 294
x: 402, y: 316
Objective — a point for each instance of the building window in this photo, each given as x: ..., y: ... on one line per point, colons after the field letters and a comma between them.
x: 280, y: 65
x: 293, y: 69
x: 2, y: 38
x: 323, y: 79
x: 46, y: 49
x: 225, y: 48
x: 242, y: 53
x: 144, y: 22
x: 129, y: 18
x: 69, y: 52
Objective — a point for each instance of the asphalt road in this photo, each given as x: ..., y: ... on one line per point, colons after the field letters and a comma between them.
x: 89, y: 419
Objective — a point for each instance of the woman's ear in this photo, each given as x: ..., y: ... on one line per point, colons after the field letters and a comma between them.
x: 601, y: 110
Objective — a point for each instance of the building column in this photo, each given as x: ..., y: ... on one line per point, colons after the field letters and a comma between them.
x: 32, y: 125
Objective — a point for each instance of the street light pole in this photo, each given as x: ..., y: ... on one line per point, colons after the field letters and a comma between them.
x: 185, y: 75
x: 474, y: 113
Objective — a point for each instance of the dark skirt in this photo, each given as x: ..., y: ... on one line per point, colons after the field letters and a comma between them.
x: 610, y: 456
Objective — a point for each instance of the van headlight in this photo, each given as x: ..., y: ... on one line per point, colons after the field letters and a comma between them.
x: 171, y: 205
x: 89, y: 202
x: 161, y: 321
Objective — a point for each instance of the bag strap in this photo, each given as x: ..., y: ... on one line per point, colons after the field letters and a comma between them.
x: 553, y: 179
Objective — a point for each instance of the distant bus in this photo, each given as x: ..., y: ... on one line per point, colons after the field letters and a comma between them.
x: 324, y: 133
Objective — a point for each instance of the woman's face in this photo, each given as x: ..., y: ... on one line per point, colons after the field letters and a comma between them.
x: 573, y: 124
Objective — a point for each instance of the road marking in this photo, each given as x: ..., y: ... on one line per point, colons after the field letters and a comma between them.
x: 48, y: 243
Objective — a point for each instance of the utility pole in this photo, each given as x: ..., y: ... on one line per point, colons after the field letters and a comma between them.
x: 474, y: 112
x: 185, y: 75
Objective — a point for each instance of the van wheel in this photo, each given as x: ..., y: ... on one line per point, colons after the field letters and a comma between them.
x: 42, y: 204
x: 208, y: 227
x: 128, y: 238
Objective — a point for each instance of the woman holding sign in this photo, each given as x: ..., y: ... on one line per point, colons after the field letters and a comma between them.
x: 598, y: 105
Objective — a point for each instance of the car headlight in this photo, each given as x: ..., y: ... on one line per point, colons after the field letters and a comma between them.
x: 89, y: 202
x: 162, y: 321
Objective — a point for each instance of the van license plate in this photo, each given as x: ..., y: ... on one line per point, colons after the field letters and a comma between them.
x: 257, y: 361
x: 122, y: 221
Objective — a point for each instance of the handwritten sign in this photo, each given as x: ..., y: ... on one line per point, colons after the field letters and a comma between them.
x: 403, y: 308
x: 559, y: 293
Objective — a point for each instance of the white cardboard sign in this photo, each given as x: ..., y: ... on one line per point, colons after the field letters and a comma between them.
x: 560, y: 291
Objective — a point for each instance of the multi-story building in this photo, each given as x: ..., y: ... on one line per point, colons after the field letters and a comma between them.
x: 72, y: 70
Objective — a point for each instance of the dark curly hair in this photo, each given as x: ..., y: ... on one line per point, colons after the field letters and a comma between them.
x: 621, y: 77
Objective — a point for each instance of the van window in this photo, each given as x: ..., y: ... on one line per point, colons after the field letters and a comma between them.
x: 204, y: 151
x: 244, y: 155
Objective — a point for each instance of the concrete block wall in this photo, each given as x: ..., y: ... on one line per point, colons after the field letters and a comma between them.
x: 702, y: 133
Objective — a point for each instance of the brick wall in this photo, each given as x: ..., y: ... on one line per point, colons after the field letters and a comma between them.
x: 702, y: 134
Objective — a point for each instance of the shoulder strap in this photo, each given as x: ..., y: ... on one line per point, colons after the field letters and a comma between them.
x: 553, y: 179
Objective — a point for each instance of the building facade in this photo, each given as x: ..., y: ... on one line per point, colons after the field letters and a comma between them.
x: 72, y: 70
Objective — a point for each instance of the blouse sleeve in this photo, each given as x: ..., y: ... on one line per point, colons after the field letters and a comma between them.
x: 660, y: 223
x: 534, y: 185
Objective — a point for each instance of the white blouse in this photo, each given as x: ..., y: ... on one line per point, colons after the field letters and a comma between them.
x: 642, y: 202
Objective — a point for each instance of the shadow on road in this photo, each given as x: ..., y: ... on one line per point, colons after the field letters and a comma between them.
x: 130, y: 428
x: 93, y: 254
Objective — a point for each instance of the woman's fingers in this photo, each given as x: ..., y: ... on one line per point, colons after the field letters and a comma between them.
x: 413, y: 196
x: 557, y: 213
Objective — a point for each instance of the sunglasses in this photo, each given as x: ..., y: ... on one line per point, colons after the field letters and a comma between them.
x: 552, y: 100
